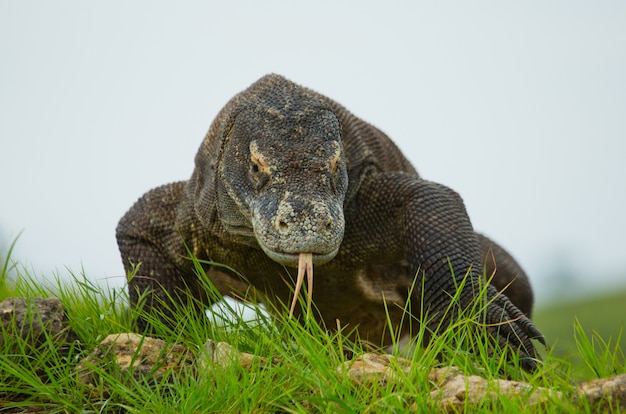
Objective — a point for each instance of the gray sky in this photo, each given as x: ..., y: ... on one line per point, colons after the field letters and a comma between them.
x: 518, y: 106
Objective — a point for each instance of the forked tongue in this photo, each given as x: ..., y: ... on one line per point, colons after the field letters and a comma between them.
x: 305, y: 265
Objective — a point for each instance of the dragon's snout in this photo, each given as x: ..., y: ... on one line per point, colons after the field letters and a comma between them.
x: 313, y: 218
x: 300, y: 225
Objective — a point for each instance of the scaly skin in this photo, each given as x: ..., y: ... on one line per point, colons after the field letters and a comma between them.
x: 285, y: 171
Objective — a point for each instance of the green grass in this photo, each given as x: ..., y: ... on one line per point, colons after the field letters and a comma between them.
x: 304, y: 378
x: 601, y: 319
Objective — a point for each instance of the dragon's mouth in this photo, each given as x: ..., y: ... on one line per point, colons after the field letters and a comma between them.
x: 293, y: 259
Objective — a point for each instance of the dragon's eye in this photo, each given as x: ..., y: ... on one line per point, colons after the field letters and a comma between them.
x: 334, y: 163
x: 336, y: 158
x: 259, y: 167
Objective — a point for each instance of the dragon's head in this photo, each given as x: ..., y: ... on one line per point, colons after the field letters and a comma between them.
x: 282, y: 176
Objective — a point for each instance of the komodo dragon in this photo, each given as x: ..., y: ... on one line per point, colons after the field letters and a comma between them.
x: 287, y: 178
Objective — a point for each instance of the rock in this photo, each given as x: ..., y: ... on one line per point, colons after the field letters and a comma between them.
x: 452, y: 390
x: 372, y: 367
x: 134, y: 354
x: 143, y: 356
x: 455, y: 391
x: 34, y: 319
x: 605, y: 394
x: 223, y: 355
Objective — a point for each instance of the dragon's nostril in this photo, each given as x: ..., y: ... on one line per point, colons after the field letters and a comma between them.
x: 329, y: 224
x: 282, y: 224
